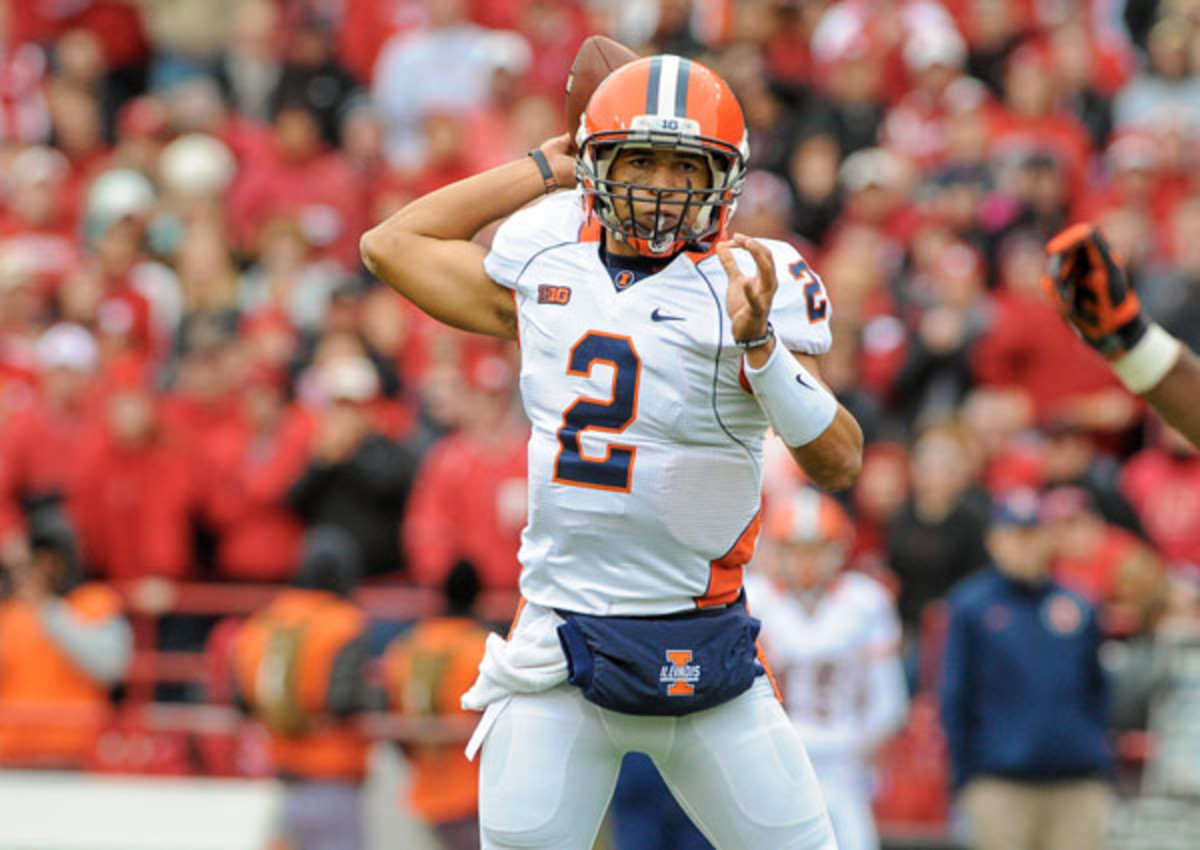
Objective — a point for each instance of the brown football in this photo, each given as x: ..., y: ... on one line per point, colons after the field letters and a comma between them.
x: 597, y: 57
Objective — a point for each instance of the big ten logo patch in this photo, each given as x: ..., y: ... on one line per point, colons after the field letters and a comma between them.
x: 548, y: 294
x: 679, y: 674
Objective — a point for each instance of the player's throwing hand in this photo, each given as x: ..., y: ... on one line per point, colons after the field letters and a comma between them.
x: 748, y: 300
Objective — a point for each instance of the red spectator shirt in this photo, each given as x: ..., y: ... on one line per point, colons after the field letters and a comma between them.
x: 135, y: 505
x: 1028, y: 346
x: 468, y: 501
x: 1165, y: 492
x: 245, y: 488
x: 41, y: 450
x: 1094, y: 574
x: 116, y: 23
x: 324, y: 194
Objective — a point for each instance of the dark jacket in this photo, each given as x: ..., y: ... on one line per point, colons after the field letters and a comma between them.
x: 363, y: 495
x: 1023, y: 693
x: 929, y: 558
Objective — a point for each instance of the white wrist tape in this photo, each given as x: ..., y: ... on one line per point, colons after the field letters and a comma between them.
x: 797, y: 406
x: 1148, y: 362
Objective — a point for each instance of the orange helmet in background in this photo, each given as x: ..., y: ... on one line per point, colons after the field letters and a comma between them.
x: 672, y: 102
x: 812, y: 535
x: 809, y: 516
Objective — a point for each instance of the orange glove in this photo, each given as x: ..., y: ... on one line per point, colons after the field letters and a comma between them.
x: 1087, y: 282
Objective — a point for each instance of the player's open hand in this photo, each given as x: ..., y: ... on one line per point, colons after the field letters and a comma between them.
x: 560, y: 153
x: 748, y: 300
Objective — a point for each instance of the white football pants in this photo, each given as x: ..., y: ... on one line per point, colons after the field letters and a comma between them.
x: 846, y: 788
x: 551, y: 759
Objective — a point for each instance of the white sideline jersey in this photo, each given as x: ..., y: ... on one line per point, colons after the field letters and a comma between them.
x: 827, y: 662
x: 645, y: 458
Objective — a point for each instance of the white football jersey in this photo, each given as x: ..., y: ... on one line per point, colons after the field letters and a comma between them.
x: 645, y: 459
x: 823, y: 660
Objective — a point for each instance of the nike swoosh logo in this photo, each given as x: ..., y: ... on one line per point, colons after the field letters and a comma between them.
x: 660, y: 316
x: 800, y: 380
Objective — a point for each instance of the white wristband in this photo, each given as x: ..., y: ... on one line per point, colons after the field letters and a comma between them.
x: 797, y: 406
x: 1148, y: 362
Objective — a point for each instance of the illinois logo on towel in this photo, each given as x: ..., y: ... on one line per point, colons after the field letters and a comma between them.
x: 680, y: 675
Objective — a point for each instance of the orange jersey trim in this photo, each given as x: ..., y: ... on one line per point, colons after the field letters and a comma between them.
x: 762, y: 659
x: 725, y: 573
x: 516, y: 618
x: 698, y: 257
x: 761, y: 654
x: 591, y: 229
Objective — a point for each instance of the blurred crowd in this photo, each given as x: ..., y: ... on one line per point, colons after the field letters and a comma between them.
x: 195, y: 369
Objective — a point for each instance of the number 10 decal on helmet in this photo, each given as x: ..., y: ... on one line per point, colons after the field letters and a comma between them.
x: 663, y: 102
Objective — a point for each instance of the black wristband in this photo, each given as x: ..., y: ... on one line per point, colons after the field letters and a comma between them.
x: 549, y: 181
x: 1128, y: 335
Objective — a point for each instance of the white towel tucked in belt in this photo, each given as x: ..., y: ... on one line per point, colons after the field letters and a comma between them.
x: 530, y: 661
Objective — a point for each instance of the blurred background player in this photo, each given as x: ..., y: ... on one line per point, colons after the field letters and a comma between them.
x: 300, y: 669
x: 1024, y: 699
x: 64, y: 644
x: 832, y: 638
x: 426, y: 672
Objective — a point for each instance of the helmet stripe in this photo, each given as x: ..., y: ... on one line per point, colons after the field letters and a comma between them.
x: 652, y: 86
x: 808, y: 517
x: 681, y: 88
x: 668, y: 86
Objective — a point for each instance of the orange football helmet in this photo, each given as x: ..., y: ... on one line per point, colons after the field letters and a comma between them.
x: 664, y: 101
x: 814, y: 536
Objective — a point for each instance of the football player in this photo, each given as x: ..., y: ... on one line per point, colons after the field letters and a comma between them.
x: 656, y: 349
x: 833, y: 640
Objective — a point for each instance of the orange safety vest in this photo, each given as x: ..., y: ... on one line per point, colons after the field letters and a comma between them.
x: 282, y: 660
x: 51, y: 712
x: 426, y: 672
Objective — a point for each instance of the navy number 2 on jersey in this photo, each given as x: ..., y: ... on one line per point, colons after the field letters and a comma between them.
x: 614, y: 471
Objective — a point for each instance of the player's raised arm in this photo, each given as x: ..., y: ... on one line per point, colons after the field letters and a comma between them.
x: 821, y: 434
x: 1088, y: 283
x: 424, y: 250
x: 1174, y: 397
